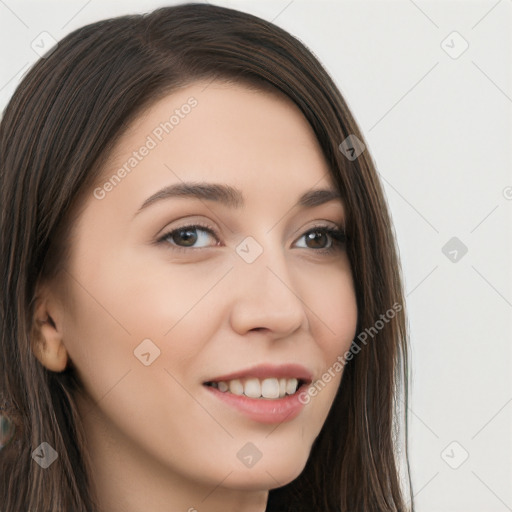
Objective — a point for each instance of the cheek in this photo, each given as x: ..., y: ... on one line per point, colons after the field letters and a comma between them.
x: 336, y: 324
x: 157, y: 291
x: 119, y: 304
x: 334, y: 314
x: 98, y: 343
x: 164, y: 296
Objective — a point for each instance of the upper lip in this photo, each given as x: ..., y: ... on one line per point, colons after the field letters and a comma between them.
x: 263, y: 371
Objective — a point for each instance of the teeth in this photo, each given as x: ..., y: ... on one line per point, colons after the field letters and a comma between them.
x: 291, y: 386
x: 236, y: 387
x: 222, y: 386
x: 252, y: 388
x: 282, y: 387
x: 270, y: 388
x: 255, y: 388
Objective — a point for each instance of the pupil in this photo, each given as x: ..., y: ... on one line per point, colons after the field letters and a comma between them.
x: 316, y: 235
x: 188, y: 235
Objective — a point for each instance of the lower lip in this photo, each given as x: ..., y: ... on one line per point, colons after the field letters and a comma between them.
x: 263, y: 410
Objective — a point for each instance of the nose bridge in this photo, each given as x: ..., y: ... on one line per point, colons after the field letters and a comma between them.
x: 264, y: 262
x: 269, y: 297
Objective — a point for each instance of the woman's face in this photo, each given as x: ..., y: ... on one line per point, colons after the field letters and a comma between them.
x: 155, y: 310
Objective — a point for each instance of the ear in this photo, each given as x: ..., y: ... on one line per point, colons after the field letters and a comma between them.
x: 46, y: 339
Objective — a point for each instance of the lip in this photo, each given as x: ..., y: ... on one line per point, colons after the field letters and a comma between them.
x: 264, y: 371
x: 263, y: 410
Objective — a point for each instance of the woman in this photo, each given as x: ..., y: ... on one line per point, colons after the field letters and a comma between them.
x: 201, y: 300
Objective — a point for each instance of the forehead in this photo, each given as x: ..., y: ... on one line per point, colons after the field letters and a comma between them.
x: 256, y: 141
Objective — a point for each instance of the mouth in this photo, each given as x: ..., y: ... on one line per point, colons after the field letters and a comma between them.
x: 269, y: 388
x: 266, y: 393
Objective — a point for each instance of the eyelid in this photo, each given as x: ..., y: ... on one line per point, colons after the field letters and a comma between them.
x: 335, y: 231
x: 191, y: 225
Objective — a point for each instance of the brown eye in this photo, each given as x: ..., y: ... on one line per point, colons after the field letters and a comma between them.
x: 317, y: 239
x: 188, y: 236
x: 324, y: 239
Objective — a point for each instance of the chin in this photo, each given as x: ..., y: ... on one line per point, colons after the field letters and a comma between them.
x: 271, y: 474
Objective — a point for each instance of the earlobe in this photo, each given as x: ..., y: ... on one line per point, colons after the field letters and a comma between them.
x: 47, y: 342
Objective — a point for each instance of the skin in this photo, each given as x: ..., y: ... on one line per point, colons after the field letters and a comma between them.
x: 157, y: 439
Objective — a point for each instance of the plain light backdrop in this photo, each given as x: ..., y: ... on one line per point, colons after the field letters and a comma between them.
x: 430, y: 85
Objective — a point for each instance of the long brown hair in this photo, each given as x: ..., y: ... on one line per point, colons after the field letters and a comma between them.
x: 59, y: 127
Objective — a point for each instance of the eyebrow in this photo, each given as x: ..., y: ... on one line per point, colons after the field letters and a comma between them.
x: 230, y: 196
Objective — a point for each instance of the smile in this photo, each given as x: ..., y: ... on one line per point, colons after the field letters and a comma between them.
x: 269, y: 388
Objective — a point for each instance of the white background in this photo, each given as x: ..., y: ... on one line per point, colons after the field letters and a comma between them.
x: 439, y: 129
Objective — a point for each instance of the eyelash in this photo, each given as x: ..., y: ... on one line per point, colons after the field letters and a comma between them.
x: 337, y: 235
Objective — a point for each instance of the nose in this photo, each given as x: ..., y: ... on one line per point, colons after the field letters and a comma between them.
x: 266, y: 297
